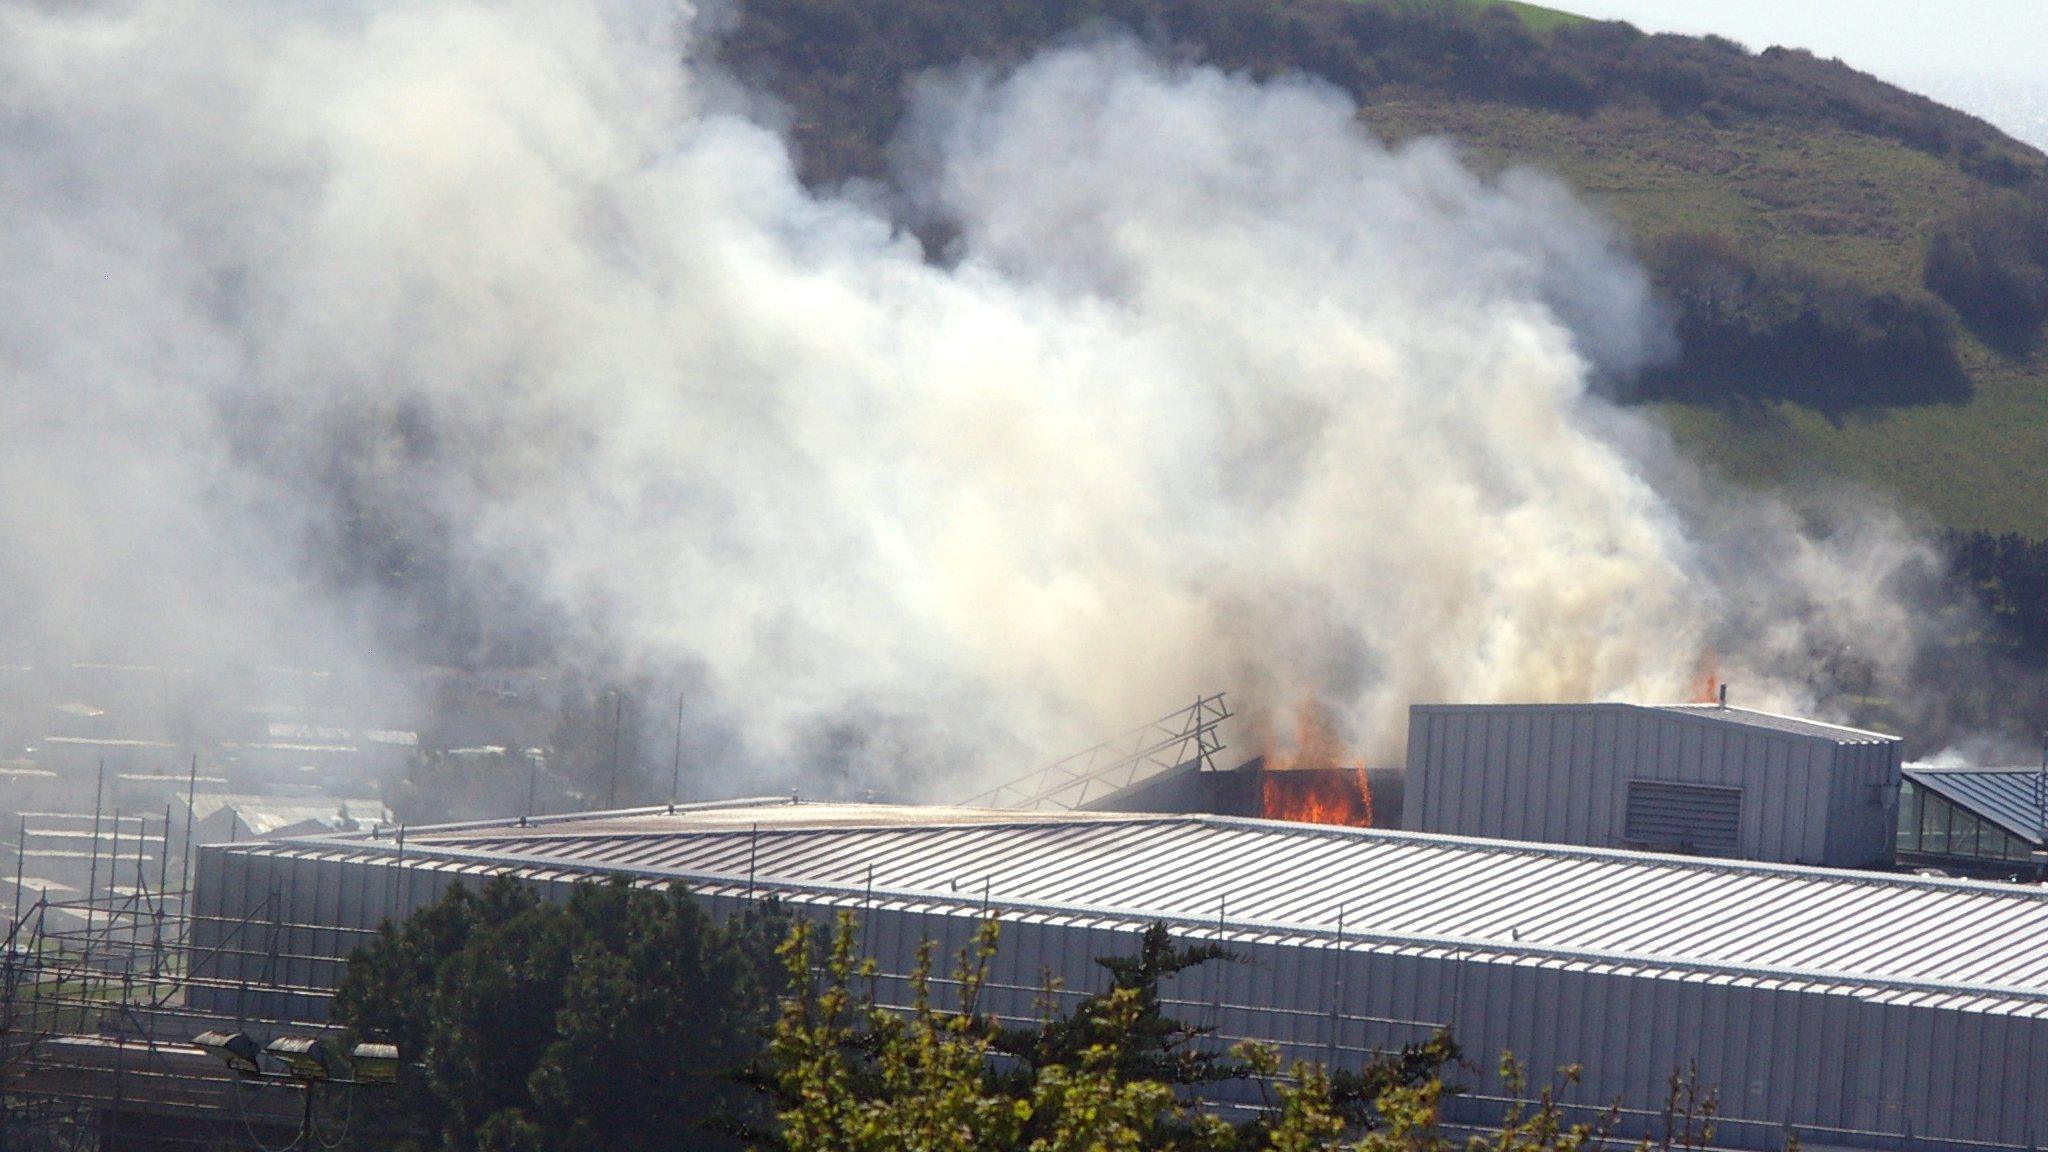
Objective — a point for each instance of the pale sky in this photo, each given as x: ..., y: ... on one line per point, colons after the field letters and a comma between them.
x: 1987, y: 57
x: 2006, y: 39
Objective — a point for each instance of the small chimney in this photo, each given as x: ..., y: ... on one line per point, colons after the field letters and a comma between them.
x: 1724, y: 695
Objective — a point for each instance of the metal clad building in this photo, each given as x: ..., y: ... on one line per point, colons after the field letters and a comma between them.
x: 1865, y: 1010
x: 1974, y: 821
x: 1702, y: 779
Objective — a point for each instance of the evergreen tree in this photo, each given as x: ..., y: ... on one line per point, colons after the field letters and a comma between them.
x: 619, y: 1021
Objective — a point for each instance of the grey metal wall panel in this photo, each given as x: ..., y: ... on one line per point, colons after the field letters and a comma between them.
x: 1991, y: 1037
x: 1632, y: 1031
x: 1978, y: 1035
x: 1780, y: 807
x: 1877, y: 1106
x: 1938, y: 1116
x: 1553, y: 773
x: 1717, y: 1032
x: 1814, y: 777
x: 1842, y: 793
x: 1832, y: 1073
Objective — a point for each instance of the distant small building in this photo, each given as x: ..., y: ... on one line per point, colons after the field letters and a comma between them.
x: 68, y: 854
x: 1984, y: 822
x: 25, y: 786
x: 219, y: 818
x: 151, y: 791
x: 83, y: 755
x: 1704, y: 780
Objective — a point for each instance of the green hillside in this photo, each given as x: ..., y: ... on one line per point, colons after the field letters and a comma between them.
x: 1787, y: 205
x: 1534, y: 17
x: 1824, y: 196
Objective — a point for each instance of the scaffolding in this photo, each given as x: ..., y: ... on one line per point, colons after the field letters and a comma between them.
x: 101, y: 996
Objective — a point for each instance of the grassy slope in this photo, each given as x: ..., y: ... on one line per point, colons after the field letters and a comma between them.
x: 1828, y: 197
x: 1533, y: 16
x: 1537, y: 19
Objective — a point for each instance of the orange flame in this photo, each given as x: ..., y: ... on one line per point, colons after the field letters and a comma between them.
x: 1317, y: 796
x: 1706, y: 679
x: 1318, y: 780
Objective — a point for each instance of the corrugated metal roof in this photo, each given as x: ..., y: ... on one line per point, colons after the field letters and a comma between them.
x: 1580, y: 905
x: 2004, y: 796
x: 1776, y: 723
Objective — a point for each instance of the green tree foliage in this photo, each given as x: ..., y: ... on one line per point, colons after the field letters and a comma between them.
x: 1357, y: 1094
x: 1990, y: 263
x: 853, y: 1077
x: 1148, y: 1043
x: 1755, y: 330
x: 2008, y: 574
x: 850, y: 1076
x: 493, y: 1013
x: 617, y: 1021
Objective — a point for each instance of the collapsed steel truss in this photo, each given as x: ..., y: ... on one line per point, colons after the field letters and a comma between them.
x: 1183, y: 739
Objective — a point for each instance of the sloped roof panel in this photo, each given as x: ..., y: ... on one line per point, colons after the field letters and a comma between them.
x: 1793, y: 725
x: 1511, y: 899
x: 2004, y: 796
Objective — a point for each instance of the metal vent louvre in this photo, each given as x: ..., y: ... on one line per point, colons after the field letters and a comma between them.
x: 1688, y: 817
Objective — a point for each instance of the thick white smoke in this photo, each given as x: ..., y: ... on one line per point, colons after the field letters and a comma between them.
x: 1214, y: 391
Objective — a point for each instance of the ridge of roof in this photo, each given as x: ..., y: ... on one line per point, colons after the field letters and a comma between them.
x: 1402, y: 888
x: 1795, y: 725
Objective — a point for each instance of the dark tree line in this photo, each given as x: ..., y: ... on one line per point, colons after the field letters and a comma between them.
x: 1753, y: 329
x: 615, y: 1022
x: 2008, y: 574
x: 1990, y: 262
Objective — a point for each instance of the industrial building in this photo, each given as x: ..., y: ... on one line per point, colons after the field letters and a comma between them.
x: 1974, y: 821
x: 1863, y: 1010
x: 1703, y: 779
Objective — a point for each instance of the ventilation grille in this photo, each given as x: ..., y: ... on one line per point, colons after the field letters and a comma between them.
x: 1686, y: 817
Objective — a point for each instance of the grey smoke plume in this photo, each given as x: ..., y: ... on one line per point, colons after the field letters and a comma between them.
x: 1213, y: 390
